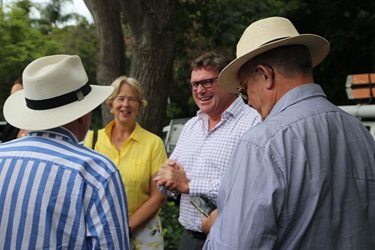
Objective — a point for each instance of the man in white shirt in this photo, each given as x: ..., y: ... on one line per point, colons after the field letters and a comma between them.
x: 202, y: 153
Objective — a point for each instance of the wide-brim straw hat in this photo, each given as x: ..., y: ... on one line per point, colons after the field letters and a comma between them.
x: 55, y: 92
x: 267, y: 34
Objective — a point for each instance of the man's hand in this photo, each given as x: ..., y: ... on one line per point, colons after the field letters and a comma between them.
x: 207, y: 222
x: 172, y: 176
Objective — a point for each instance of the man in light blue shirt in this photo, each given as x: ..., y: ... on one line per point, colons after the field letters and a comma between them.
x: 54, y: 192
x: 304, y: 178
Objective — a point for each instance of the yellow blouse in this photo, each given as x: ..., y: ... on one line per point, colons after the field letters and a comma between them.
x: 139, y: 158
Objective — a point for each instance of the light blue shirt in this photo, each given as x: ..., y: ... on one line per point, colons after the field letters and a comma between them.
x: 205, y: 154
x: 57, y: 194
x: 304, y: 178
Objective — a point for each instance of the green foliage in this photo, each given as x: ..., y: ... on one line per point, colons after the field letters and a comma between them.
x: 52, y: 15
x: 172, y: 229
x: 20, y: 44
x: 22, y: 40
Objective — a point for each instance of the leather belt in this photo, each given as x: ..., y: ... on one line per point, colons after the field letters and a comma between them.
x: 197, y: 235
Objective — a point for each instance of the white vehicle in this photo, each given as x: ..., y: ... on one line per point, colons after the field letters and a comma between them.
x: 172, y: 132
x: 365, y: 113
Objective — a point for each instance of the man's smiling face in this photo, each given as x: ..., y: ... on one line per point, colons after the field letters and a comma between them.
x: 211, y: 100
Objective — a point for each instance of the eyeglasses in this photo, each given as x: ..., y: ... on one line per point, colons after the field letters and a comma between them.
x: 242, y: 89
x: 205, y: 83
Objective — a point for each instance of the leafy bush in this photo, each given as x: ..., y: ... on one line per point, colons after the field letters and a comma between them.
x: 172, y: 229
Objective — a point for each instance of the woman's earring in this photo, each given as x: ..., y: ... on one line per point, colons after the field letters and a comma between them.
x: 111, y: 111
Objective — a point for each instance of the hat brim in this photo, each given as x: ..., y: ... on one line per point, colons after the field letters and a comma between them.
x: 19, y: 115
x: 318, y: 46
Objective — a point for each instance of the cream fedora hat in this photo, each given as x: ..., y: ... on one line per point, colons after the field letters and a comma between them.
x: 55, y: 92
x: 267, y: 34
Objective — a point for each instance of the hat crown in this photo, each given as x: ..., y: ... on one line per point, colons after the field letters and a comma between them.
x: 56, y: 92
x: 267, y: 34
x: 263, y: 32
x: 52, y: 76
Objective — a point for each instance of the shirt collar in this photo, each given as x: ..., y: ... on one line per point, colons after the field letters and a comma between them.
x: 295, y: 95
x: 59, y: 132
x: 135, y: 135
x: 234, y: 109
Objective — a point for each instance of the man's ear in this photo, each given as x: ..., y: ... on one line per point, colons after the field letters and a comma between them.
x: 267, y: 75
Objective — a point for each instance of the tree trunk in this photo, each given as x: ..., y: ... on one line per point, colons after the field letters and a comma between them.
x: 107, y: 18
x: 153, y: 26
x: 152, y: 23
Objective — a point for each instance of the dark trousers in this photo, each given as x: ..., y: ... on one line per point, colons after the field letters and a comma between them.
x: 191, y: 241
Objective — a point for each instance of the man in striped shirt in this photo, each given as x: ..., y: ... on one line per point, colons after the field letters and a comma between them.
x: 54, y: 192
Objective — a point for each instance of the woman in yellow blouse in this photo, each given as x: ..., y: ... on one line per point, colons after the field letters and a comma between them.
x: 138, y: 154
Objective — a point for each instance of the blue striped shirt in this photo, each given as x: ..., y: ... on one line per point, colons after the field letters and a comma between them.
x: 205, y: 154
x: 57, y: 194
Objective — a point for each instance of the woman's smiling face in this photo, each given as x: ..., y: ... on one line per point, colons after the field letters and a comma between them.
x: 125, y: 106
